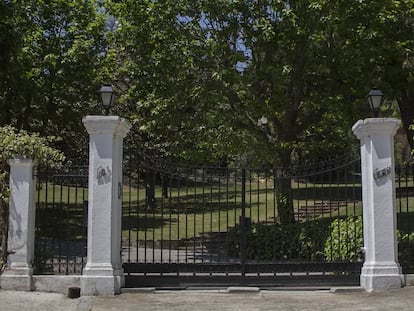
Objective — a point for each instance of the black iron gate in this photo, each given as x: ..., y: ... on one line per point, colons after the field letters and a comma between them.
x: 405, y: 215
x: 185, y: 226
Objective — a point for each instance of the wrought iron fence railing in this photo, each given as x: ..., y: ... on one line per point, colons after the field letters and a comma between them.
x: 61, y: 219
x: 404, y: 185
x: 188, y: 219
x: 223, y: 220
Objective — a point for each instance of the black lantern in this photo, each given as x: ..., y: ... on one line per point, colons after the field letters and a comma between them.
x: 375, y: 98
x: 108, y: 97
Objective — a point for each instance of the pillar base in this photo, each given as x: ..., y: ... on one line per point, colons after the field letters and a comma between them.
x: 101, y: 285
x: 381, y: 277
x: 17, y: 277
x: 102, y: 280
x: 16, y: 282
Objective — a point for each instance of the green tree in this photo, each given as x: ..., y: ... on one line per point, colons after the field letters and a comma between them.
x: 397, y: 59
x: 52, y: 67
x: 210, y: 70
x: 272, y: 82
x: 155, y: 70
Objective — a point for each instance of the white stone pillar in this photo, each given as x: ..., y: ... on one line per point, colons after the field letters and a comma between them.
x: 381, y: 269
x: 18, y: 274
x: 103, y: 274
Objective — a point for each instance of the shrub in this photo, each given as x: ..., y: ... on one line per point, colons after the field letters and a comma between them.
x: 406, y: 250
x: 296, y: 241
x: 345, y: 240
x: 337, y: 240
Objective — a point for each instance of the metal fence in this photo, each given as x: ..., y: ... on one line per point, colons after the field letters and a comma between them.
x: 200, y: 220
x: 61, y: 219
x: 212, y: 221
x: 405, y: 215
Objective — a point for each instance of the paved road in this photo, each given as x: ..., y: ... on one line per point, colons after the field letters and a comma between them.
x: 402, y: 299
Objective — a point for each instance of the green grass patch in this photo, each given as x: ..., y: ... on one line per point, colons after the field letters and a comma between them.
x: 191, y: 211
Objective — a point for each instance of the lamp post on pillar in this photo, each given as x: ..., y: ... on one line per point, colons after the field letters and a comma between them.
x: 108, y: 97
x: 375, y: 98
x: 103, y: 273
x: 381, y: 269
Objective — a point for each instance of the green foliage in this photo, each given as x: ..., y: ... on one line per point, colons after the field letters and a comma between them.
x: 21, y: 144
x: 52, y: 67
x: 406, y: 249
x: 15, y: 143
x: 345, y: 240
x: 318, y: 240
x: 195, y: 76
x: 341, y: 245
x: 299, y: 241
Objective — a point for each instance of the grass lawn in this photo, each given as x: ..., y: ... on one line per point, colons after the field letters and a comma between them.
x: 194, y: 209
x: 190, y: 212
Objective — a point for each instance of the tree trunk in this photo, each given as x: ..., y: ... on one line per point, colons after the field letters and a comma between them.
x: 406, y: 105
x: 283, y: 190
x: 150, y: 189
x: 284, y: 202
x: 164, y: 183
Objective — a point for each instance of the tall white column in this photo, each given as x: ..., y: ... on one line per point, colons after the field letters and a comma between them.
x: 18, y: 274
x: 103, y: 274
x: 381, y: 269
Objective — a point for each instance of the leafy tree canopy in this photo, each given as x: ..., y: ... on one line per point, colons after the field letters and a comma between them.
x: 52, y: 66
x: 195, y: 77
x: 198, y: 76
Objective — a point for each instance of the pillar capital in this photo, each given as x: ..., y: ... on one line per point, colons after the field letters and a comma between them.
x: 22, y: 161
x: 106, y: 125
x: 376, y: 126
